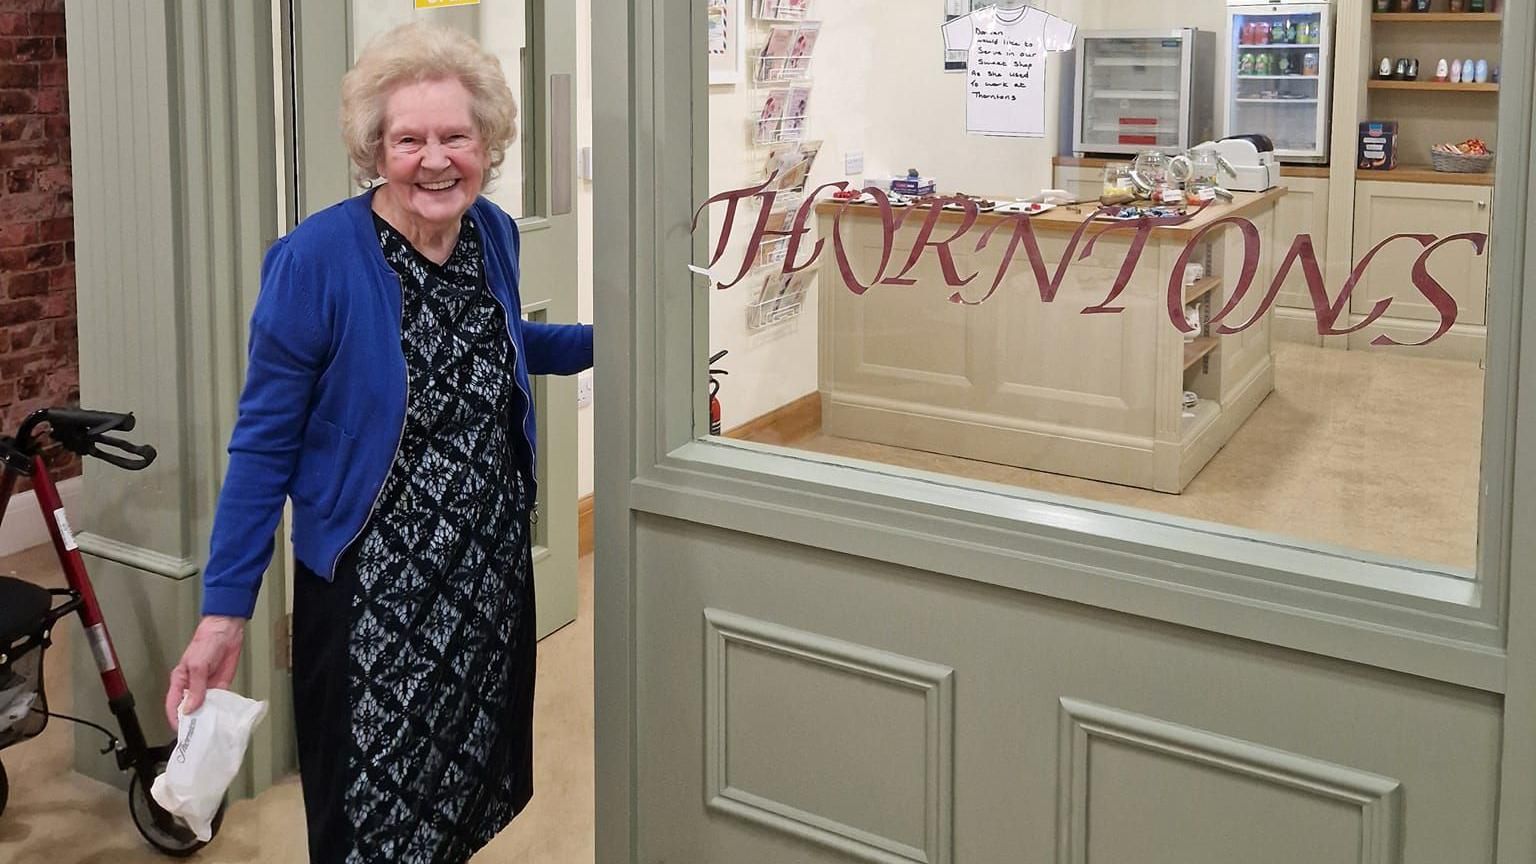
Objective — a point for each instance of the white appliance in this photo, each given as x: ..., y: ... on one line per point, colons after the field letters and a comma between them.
x: 1141, y: 90
x: 1247, y: 165
x: 1278, y: 75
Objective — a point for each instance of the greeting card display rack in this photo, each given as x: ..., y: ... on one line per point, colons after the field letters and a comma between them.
x: 780, y: 129
x: 785, y: 36
x: 782, y: 10
x: 781, y: 298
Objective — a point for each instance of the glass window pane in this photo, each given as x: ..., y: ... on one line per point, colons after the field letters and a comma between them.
x: 1280, y: 335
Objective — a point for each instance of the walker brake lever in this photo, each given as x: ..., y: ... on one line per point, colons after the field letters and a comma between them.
x: 145, y: 453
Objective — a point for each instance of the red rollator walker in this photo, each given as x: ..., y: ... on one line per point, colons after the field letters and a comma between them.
x: 28, y: 614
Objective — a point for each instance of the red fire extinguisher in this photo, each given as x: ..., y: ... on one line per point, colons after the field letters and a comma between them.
x: 714, y: 390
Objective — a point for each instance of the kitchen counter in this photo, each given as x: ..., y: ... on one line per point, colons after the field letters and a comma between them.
x: 1009, y: 378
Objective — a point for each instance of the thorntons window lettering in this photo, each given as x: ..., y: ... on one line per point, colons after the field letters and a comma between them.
x: 1022, y: 236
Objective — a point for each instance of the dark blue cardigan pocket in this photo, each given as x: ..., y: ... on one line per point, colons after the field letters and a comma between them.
x: 322, y: 467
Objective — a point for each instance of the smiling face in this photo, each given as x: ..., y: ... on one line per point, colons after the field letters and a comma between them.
x: 432, y: 154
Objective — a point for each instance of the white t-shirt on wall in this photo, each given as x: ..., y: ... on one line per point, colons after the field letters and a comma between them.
x: 1005, y: 81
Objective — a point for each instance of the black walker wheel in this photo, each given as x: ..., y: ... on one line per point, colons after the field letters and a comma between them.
x: 164, y: 831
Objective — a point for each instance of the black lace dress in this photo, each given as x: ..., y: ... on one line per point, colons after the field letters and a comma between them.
x: 414, y: 669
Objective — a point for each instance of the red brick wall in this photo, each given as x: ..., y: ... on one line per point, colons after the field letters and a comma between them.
x: 39, y: 360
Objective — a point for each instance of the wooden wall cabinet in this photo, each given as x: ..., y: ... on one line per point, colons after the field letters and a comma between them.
x: 1386, y: 208
x: 1086, y: 182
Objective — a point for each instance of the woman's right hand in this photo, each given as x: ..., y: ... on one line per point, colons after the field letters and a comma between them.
x: 210, y: 660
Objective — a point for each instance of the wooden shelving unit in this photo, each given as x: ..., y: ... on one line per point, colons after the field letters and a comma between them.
x: 1200, y: 288
x: 1441, y: 118
x: 1382, y: 84
x: 1196, y: 351
x: 1438, y: 17
x: 1413, y: 173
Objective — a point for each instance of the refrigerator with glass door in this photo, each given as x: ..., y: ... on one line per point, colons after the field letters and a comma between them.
x: 1278, y: 64
x: 1141, y: 90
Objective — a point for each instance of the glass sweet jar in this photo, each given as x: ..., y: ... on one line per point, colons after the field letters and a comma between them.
x: 1117, y: 182
x: 1150, y: 171
x: 1195, y: 170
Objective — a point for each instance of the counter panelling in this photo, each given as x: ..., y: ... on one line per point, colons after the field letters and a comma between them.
x: 1019, y: 381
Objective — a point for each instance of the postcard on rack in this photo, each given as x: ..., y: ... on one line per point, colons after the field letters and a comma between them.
x: 773, y: 291
x: 781, y: 158
x: 791, y: 292
x: 769, y: 120
x: 775, y: 237
x: 801, y: 49
x: 795, y: 109
x: 771, y: 64
x: 795, y: 177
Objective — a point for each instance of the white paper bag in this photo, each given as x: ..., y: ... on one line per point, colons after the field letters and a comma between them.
x: 210, y: 746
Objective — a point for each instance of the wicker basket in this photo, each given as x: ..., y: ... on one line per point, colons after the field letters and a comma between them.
x: 1460, y: 163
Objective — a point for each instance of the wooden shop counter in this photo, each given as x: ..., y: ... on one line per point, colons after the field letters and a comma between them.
x: 1019, y: 381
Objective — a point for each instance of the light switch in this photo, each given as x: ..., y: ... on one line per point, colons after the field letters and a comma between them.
x: 853, y: 162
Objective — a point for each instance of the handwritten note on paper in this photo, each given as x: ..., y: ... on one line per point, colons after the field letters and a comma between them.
x: 1005, y: 87
x: 1001, y: 67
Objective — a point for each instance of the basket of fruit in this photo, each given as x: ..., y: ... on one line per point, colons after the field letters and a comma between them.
x: 1469, y: 157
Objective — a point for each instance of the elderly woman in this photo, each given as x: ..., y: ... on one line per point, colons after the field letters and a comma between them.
x: 388, y: 397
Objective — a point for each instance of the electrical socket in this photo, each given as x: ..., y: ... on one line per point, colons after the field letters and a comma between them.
x: 584, y: 389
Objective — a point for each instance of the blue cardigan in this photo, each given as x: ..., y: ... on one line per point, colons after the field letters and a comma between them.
x: 324, y: 403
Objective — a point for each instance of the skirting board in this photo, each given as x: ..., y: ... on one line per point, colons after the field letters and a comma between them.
x: 23, y: 527
x: 584, y: 537
x: 786, y: 424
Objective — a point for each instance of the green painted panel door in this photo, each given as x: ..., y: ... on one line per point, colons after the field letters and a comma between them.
x: 535, y: 41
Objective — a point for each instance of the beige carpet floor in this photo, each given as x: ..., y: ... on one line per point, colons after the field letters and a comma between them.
x: 1360, y: 449
x: 59, y: 817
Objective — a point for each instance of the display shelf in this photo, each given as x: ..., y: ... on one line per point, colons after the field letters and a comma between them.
x: 1425, y: 122
x: 1279, y: 47
x: 1412, y: 173
x: 1383, y: 84
x: 1150, y: 95
x: 1279, y: 77
x: 1275, y: 101
x: 1136, y: 61
x: 1140, y: 130
x: 1205, y: 413
x: 1438, y: 17
x: 780, y: 300
x: 1197, y: 350
x: 1200, y: 288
